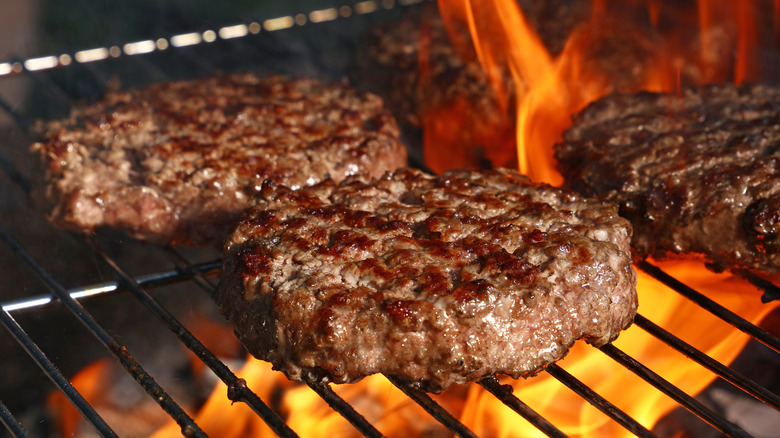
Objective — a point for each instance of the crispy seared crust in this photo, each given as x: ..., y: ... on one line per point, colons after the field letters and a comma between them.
x: 441, y: 280
x: 176, y: 162
x: 698, y: 174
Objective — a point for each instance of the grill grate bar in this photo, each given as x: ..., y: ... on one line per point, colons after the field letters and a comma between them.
x: 13, y: 173
x: 322, y: 389
x: 22, y: 120
x: 189, y: 428
x: 691, y: 404
x: 54, y: 374
x: 196, y: 275
x: 771, y: 291
x: 150, y: 280
x: 218, y: 367
x: 341, y: 406
x: 506, y: 395
x: 716, y: 309
x: 736, y: 379
x: 39, y: 356
x: 10, y: 422
x: 433, y: 408
x: 57, y: 95
x: 599, y: 402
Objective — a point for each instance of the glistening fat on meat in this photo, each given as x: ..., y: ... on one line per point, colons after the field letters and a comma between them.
x: 697, y: 174
x: 177, y: 162
x: 441, y: 280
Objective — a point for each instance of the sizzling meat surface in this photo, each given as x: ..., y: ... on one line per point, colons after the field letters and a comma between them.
x: 441, y: 280
x: 177, y: 162
x: 696, y: 174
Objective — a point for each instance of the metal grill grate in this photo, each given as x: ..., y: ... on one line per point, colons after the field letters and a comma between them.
x: 200, y: 275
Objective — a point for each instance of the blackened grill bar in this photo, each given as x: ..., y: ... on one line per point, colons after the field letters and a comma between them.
x: 128, y: 362
x: 505, y: 394
x: 433, y: 408
x: 86, y: 410
x: 238, y: 391
x: 10, y: 422
x: 692, y: 405
x: 724, y: 372
x: 200, y: 270
x: 716, y: 309
x: 598, y: 401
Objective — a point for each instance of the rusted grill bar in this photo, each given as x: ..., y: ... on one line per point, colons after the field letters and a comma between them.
x: 692, y: 405
x: 193, y: 344
x: 341, y: 406
x: 189, y: 428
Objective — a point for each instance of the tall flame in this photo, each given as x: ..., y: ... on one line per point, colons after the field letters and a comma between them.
x: 545, y: 90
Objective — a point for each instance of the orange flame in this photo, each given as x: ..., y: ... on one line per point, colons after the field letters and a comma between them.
x: 488, y: 416
x: 624, y: 46
x: 547, y: 90
x: 394, y: 414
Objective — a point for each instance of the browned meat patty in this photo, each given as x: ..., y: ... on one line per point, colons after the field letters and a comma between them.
x: 696, y: 174
x: 441, y: 280
x: 177, y: 162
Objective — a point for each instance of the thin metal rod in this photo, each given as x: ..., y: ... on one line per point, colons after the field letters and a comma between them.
x: 151, y: 280
x: 54, y: 375
x: 322, y: 389
x: 185, y: 266
x: 13, y: 172
x: 20, y: 119
x: 506, y: 394
x: 726, y: 373
x: 239, y: 391
x: 13, y: 426
x: 599, y: 402
x: 342, y: 407
x: 716, y: 309
x: 57, y: 96
x: 686, y: 401
x: 771, y: 291
x: 188, y: 427
x: 433, y: 408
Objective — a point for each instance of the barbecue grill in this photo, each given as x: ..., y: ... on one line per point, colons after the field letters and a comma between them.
x: 79, y: 276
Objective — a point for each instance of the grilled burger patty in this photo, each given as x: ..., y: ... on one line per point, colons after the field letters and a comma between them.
x: 441, y: 280
x: 697, y: 173
x: 177, y: 162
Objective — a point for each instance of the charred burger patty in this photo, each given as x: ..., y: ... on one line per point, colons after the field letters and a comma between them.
x: 441, y: 280
x: 177, y: 162
x: 696, y: 173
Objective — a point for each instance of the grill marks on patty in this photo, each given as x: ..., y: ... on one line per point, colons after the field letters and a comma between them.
x: 176, y: 162
x: 438, y: 279
x: 697, y: 174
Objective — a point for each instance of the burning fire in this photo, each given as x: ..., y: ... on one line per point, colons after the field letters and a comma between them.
x: 677, y: 47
